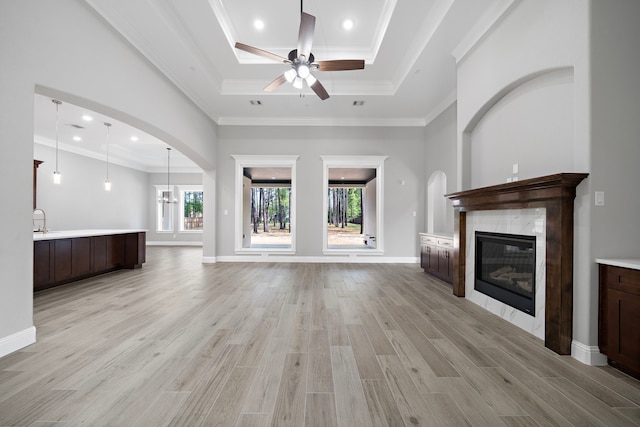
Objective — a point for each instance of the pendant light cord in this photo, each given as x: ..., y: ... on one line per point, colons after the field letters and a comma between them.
x: 168, y: 172
x: 108, y: 125
x: 57, y: 102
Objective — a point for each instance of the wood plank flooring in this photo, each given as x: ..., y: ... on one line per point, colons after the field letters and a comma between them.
x: 179, y: 343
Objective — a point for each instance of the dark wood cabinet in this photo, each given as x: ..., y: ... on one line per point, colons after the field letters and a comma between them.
x: 619, y: 317
x: 60, y: 261
x: 436, y: 256
x: 81, y: 256
x: 43, y: 260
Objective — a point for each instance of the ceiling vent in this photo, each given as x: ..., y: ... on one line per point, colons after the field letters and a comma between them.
x: 358, y: 103
x: 75, y: 126
x: 255, y: 102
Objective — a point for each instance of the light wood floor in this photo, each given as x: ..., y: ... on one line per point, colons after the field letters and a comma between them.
x: 186, y: 344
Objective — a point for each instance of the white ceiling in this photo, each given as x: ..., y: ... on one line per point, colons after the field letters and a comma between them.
x: 408, y: 47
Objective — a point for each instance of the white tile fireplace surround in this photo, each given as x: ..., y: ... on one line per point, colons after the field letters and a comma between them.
x: 528, y: 222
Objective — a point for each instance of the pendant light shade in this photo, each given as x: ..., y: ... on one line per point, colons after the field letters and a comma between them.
x: 107, y: 182
x: 57, y: 177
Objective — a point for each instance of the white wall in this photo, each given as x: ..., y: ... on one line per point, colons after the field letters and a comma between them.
x: 404, y: 146
x: 615, y: 115
x: 441, y: 155
x: 64, y: 49
x: 509, y: 78
x: 80, y: 201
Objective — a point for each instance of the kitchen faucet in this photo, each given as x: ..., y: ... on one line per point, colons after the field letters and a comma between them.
x: 42, y: 229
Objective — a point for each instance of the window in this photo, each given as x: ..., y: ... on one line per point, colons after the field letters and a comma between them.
x: 265, y: 204
x: 353, y: 204
x: 165, y: 208
x: 183, y: 213
x: 191, y: 198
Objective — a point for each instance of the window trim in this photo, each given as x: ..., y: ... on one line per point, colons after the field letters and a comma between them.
x: 372, y: 162
x: 257, y: 161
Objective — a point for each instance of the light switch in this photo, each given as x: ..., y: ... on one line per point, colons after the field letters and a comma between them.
x: 515, y: 168
x: 226, y: 212
x: 599, y: 198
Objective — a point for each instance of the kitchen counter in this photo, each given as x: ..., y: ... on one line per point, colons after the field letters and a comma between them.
x: 61, y: 257
x: 69, y: 234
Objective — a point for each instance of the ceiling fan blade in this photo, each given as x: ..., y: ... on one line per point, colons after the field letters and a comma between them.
x: 341, y: 65
x: 261, y: 52
x: 320, y: 90
x: 275, y: 84
x: 305, y: 36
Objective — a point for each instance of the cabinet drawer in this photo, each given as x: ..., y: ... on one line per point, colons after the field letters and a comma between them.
x: 427, y: 240
x: 623, y: 279
x: 447, y: 243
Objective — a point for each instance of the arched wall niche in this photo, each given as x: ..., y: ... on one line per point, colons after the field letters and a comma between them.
x: 529, y: 123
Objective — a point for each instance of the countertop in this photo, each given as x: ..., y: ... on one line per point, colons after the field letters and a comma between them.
x: 633, y: 264
x: 69, y: 234
x: 443, y: 236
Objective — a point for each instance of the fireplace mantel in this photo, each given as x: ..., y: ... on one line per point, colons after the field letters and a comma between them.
x: 556, y: 193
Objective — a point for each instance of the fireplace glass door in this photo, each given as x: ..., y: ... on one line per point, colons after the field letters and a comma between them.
x: 505, y: 269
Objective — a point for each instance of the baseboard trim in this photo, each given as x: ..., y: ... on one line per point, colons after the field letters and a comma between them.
x: 209, y: 260
x: 345, y: 259
x: 172, y: 243
x: 589, y: 355
x: 15, y: 342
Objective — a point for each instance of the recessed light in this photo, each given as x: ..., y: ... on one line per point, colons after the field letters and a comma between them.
x: 87, y: 118
x: 258, y: 24
x: 134, y: 138
x: 77, y: 138
x: 347, y: 24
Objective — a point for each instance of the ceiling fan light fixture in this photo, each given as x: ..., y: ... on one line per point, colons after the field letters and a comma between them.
x: 290, y: 75
x: 297, y: 83
x: 303, y: 71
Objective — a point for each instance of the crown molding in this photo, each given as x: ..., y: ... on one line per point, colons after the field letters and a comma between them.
x: 482, y: 28
x: 321, y: 121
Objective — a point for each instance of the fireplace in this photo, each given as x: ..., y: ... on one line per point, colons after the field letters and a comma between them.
x: 555, y: 193
x: 505, y: 269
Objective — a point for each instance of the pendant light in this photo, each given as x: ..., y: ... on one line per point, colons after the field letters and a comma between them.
x: 168, y: 199
x: 107, y: 183
x: 56, y: 174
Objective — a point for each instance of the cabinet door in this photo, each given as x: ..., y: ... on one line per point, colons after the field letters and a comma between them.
x: 423, y: 257
x: 100, y: 253
x: 81, y: 256
x: 445, y: 266
x: 42, y: 264
x: 432, y: 259
x: 62, y: 259
x: 623, y: 331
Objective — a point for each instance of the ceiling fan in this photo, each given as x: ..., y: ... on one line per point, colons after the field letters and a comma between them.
x: 302, y: 61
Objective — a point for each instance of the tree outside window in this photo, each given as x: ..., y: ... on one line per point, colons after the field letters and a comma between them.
x: 191, y: 210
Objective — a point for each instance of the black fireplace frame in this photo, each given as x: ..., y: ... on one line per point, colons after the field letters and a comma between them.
x: 518, y: 301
